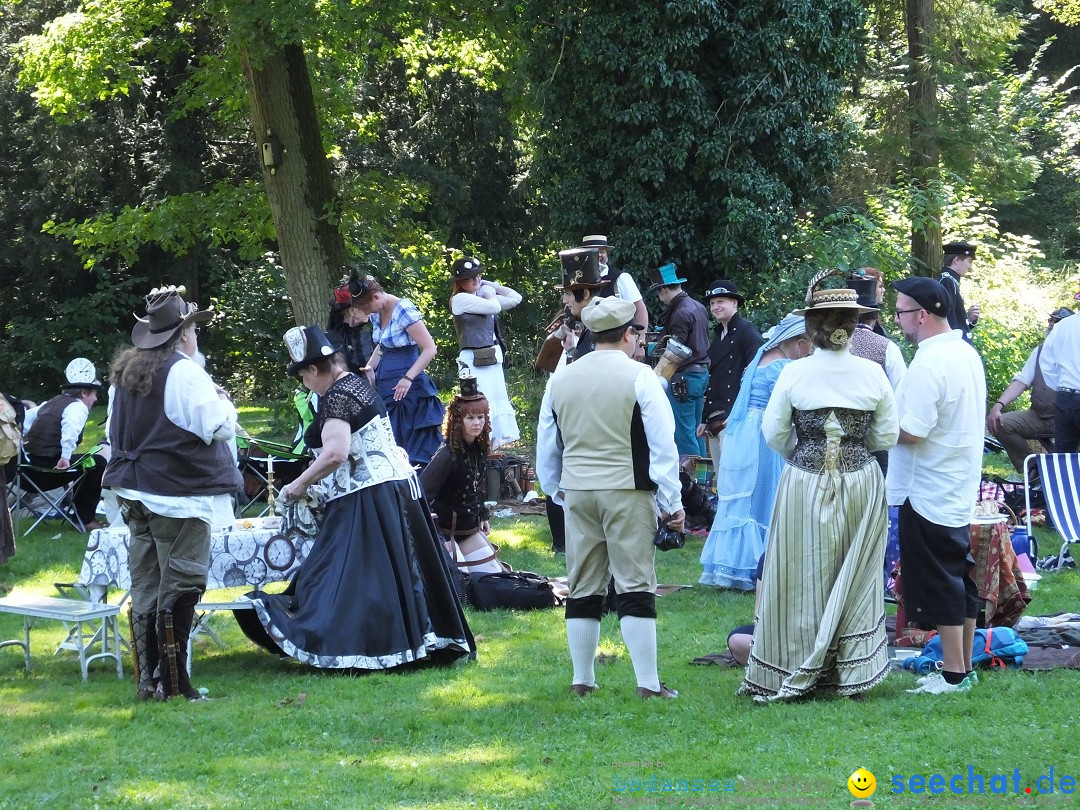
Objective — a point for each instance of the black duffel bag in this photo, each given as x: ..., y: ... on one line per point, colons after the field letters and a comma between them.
x: 512, y: 590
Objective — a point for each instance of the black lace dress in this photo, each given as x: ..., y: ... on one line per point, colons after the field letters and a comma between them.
x: 376, y: 591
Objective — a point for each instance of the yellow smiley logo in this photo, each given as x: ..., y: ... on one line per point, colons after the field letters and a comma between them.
x: 862, y: 783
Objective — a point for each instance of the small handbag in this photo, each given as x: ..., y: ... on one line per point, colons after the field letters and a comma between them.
x: 667, y: 538
x: 485, y: 357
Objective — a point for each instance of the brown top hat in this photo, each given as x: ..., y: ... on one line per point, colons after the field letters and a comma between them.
x: 166, y: 314
x: 580, y: 268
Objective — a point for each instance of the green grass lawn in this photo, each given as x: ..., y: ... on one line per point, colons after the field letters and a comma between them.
x: 501, y: 732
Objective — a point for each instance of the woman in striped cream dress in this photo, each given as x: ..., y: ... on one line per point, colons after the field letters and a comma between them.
x: 820, y: 619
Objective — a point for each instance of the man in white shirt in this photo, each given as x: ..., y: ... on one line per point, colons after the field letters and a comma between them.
x: 934, y: 474
x: 617, y: 282
x: 170, y: 427
x: 1060, y: 364
x: 53, y: 431
x: 606, y: 448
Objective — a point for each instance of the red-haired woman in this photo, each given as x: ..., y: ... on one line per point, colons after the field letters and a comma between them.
x: 454, y: 480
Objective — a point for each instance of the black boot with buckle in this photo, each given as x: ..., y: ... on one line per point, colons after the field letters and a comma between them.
x: 174, y: 629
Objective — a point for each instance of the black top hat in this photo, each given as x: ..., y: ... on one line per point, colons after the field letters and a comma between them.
x: 465, y: 268
x: 469, y: 390
x: 306, y: 345
x: 723, y: 289
x: 1060, y: 314
x: 166, y: 314
x: 958, y: 249
x: 866, y: 287
x: 580, y: 269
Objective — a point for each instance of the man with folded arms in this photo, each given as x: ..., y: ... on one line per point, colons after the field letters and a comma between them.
x: 605, y: 447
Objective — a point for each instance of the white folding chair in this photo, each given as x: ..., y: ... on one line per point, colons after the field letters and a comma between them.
x: 1059, y: 475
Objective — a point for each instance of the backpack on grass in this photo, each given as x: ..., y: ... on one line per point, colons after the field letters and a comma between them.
x: 992, y: 647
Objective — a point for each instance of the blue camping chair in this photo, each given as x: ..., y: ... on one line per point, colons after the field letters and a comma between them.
x: 1059, y: 474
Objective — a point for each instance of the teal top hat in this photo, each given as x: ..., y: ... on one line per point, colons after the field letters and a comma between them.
x: 664, y: 276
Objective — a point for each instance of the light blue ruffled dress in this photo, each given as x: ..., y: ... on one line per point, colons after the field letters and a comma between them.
x: 746, y: 488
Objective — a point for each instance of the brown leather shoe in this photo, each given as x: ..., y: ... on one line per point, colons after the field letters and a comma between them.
x: 582, y: 689
x: 664, y: 692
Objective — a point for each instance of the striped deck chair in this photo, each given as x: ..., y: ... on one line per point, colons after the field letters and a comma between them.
x: 1059, y: 474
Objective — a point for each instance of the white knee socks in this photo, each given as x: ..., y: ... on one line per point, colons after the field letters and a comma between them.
x: 639, y: 635
x: 582, y: 636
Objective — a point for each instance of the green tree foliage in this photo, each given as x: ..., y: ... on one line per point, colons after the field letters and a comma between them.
x: 689, y: 131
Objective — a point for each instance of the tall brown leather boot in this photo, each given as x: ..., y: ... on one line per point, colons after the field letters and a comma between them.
x: 174, y: 629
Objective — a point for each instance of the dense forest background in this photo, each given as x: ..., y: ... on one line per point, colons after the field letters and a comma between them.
x: 250, y: 151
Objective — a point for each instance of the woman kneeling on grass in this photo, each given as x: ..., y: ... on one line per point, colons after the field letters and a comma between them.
x: 454, y: 479
x: 375, y: 592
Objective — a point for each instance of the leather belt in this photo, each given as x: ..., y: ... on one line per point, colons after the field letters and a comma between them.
x: 1069, y: 390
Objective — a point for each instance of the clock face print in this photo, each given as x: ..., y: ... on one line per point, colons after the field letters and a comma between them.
x: 234, y: 576
x: 98, y: 562
x: 80, y: 370
x: 219, y: 566
x: 305, y: 548
x: 255, y: 572
x: 279, y: 553
x: 242, y: 546
x: 112, y: 564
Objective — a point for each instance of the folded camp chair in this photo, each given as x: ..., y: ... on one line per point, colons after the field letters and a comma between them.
x: 1059, y: 476
x: 47, y: 493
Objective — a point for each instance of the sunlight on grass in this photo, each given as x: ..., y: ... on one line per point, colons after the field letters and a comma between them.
x: 500, y: 732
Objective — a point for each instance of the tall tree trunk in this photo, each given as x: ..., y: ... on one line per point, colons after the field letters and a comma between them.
x: 300, y: 189
x: 925, y: 202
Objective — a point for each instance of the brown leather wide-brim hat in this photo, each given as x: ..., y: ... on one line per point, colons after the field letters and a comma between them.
x: 166, y: 314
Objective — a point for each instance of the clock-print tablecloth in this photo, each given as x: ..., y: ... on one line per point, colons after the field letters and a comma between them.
x: 251, y: 552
